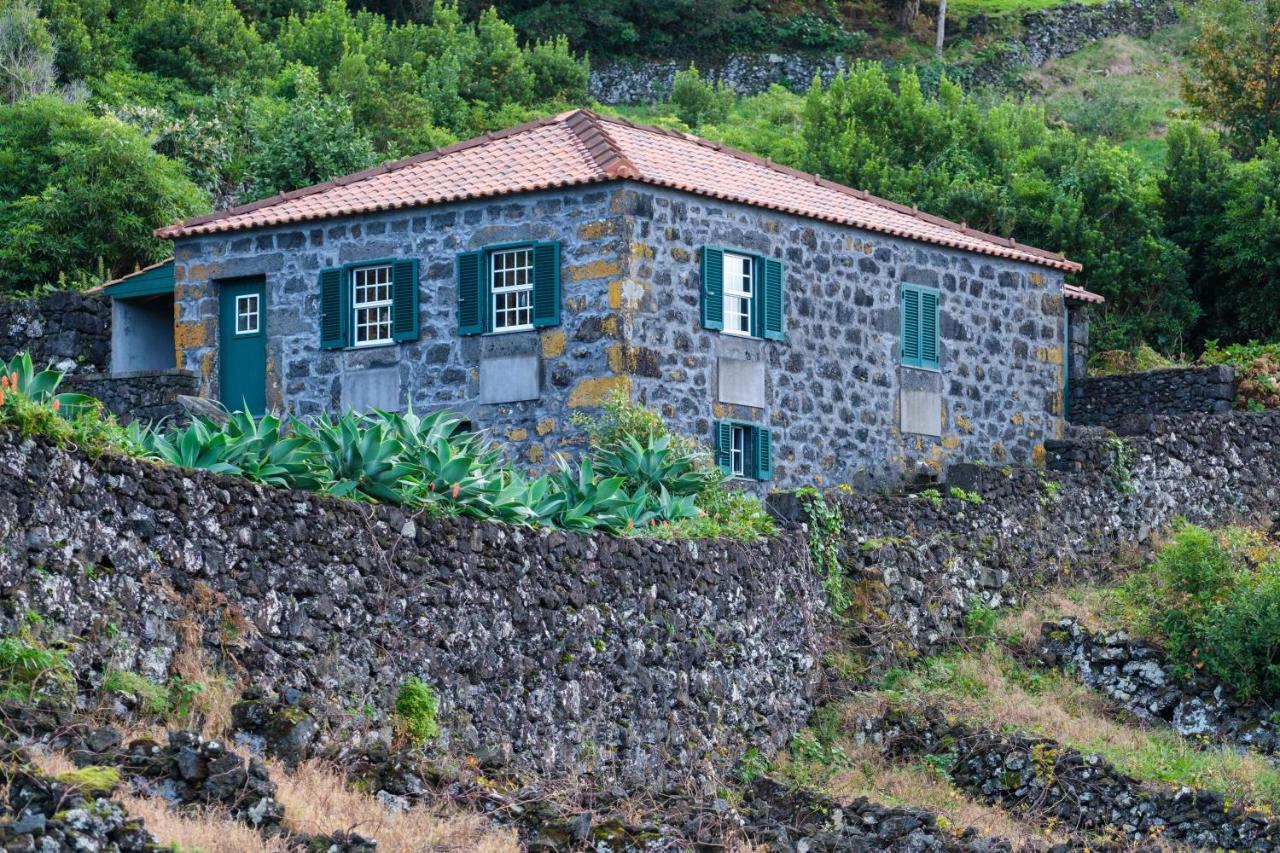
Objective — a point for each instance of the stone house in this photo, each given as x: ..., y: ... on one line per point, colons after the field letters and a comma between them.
x: 808, y: 331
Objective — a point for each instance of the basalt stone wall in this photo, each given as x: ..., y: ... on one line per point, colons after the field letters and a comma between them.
x: 147, y: 395
x: 921, y: 561
x: 69, y: 329
x: 1106, y: 400
x: 1039, y: 36
x: 643, y: 661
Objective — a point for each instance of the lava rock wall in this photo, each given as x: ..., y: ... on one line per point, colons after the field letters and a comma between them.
x: 1107, y: 400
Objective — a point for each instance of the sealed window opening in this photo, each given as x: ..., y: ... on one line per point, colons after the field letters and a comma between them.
x: 371, y: 303
x: 511, y: 277
x: 739, y: 293
x: 247, y: 314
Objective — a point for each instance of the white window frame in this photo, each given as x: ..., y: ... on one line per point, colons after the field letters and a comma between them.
x: 739, y: 446
x: 517, y: 285
x: 738, y: 292
x: 245, y: 314
x: 363, y: 308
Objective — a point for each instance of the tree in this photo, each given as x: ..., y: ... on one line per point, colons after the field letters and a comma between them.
x: 26, y: 52
x: 201, y: 43
x: 302, y: 138
x: 1246, y: 248
x: 697, y: 101
x: 79, y: 193
x: 1235, y: 58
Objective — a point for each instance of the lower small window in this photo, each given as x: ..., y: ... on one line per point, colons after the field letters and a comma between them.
x: 744, y: 450
x: 247, y: 314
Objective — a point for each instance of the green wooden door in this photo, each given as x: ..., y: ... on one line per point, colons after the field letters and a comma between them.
x: 242, y: 345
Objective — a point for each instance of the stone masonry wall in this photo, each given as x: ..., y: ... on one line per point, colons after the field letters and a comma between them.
x: 630, y: 290
x: 441, y: 369
x: 147, y: 395
x: 919, y: 562
x: 69, y: 329
x: 1041, y: 35
x: 1105, y: 400
x: 832, y: 387
x: 643, y: 661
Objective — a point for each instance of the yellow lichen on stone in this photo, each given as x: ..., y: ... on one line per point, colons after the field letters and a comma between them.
x: 1038, y: 455
x: 626, y: 293
x: 642, y: 250
x: 1016, y: 419
x: 552, y: 343
x: 592, y: 230
x: 951, y: 442
x: 1036, y: 279
x: 610, y: 325
x: 545, y: 426
x: 190, y: 335
x: 594, y: 269
x: 535, y: 453
x: 591, y: 391
x: 1049, y: 355
x: 517, y: 434
x: 997, y: 451
x: 679, y: 254
x: 964, y: 424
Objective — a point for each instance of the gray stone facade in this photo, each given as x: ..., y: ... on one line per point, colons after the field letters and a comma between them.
x: 840, y: 406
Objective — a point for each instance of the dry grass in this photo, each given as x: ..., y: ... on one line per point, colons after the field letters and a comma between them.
x: 1092, y: 606
x: 990, y: 687
x: 317, y: 800
x: 916, y: 786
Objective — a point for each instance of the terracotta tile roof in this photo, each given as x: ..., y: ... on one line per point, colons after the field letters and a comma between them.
x: 580, y: 147
x: 1072, y: 291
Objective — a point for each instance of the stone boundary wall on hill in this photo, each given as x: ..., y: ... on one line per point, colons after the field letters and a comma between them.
x: 920, y: 562
x: 1107, y: 400
x: 68, y: 329
x: 1042, y: 35
x: 145, y: 395
x: 649, y: 662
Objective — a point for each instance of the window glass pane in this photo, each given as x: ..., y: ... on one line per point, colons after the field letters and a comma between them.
x: 512, y: 285
x: 738, y: 293
x: 371, y: 304
x: 738, y: 456
x: 247, y: 314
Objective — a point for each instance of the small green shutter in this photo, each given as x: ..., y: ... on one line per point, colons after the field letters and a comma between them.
x: 546, y: 284
x: 764, y: 454
x: 910, y: 326
x: 334, y: 308
x: 928, y: 329
x: 469, y: 268
x: 404, y: 300
x: 724, y: 445
x: 774, y: 325
x: 712, y: 288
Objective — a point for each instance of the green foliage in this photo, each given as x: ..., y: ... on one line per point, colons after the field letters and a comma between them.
x: 416, y: 708
x: 30, y: 669
x: 752, y: 766
x: 199, y: 42
x: 980, y: 619
x: 963, y: 495
x: 1120, y: 458
x: 696, y: 101
x: 26, y: 52
x: 76, y: 190
x: 1213, y: 599
x: 1257, y: 368
x: 825, y: 534
x: 91, y: 781
x: 151, y: 698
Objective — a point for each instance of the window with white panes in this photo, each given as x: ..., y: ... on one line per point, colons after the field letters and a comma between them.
x: 247, y: 322
x: 511, y: 277
x: 739, y: 293
x: 371, y: 302
x: 738, y: 453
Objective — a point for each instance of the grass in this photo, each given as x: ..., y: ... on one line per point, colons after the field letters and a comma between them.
x: 991, y: 687
x: 317, y: 801
x: 1122, y: 88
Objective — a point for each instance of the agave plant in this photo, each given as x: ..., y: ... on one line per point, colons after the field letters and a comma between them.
x: 201, y: 444
x: 259, y: 448
x: 588, y: 503
x: 19, y: 376
x: 358, y: 457
x: 655, y: 464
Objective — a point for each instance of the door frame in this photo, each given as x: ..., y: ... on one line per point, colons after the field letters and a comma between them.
x: 228, y: 309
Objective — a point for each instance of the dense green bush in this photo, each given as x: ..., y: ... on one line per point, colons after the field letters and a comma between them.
x: 1213, y: 599
x: 417, y: 709
x: 696, y: 101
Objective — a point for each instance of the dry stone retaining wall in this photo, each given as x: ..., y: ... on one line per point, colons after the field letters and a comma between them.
x: 1106, y: 400
x: 68, y: 329
x: 644, y: 660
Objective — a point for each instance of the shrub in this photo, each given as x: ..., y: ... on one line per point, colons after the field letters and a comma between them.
x: 1213, y: 599
x: 416, y: 707
x: 1257, y: 369
x: 30, y: 669
x: 696, y: 101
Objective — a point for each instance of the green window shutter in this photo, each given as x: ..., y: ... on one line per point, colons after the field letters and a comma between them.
x: 910, y: 326
x: 774, y: 326
x: 764, y: 453
x: 724, y: 445
x: 404, y: 300
x: 469, y: 270
x: 928, y: 329
x: 546, y: 284
x: 334, y: 308
x: 712, y: 288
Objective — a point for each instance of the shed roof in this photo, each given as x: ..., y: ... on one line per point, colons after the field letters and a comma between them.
x: 580, y: 147
x: 148, y: 281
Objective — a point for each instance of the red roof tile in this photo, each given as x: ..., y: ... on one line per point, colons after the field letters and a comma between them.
x: 580, y: 147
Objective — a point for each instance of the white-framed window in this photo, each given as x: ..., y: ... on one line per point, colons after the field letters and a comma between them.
x: 738, y: 451
x: 739, y: 293
x: 371, y: 305
x: 511, y: 280
x: 248, y: 321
